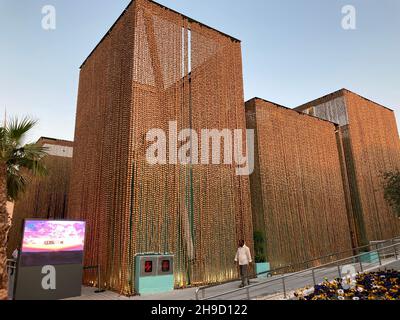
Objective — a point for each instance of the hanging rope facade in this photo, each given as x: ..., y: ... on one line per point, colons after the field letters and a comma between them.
x: 371, y: 147
x: 156, y: 66
x: 298, y: 200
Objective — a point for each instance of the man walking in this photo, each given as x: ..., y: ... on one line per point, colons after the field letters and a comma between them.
x: 243, y: 257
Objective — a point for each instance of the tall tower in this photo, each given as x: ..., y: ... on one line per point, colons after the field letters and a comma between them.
x: 153, y: 68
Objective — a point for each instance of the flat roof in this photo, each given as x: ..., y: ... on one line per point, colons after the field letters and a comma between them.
x: 60, y: 142
x: 164, y: 7
x: 333, y: 95
x: 294, y: 110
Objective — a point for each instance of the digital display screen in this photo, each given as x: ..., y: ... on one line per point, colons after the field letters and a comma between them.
x: 165, y: 266
x: 42, y: 236
x: 148, y: 266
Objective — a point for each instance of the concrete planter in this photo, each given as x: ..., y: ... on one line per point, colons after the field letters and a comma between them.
x: 370, y: 257
x: 262, y: 267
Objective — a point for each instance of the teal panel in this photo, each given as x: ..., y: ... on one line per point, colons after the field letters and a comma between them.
x: 146, y: 285
x: 370, y: 257
x: 262, y: 267
x: 153, y: 285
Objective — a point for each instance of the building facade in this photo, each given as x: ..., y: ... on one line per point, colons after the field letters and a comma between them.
x: 371, y: 147
x: 46, y: 197
x: 298, y: 196
x: 153, y: 68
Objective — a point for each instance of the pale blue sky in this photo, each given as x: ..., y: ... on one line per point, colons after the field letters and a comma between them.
x: 293, y: 51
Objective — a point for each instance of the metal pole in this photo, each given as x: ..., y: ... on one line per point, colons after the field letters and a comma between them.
x: 248, y: 293
x: 98, y: 277
x: 284, y: 288
x: 379, y: 257
x: 395, y: 252
x: 99, y: 290
x: 203, y: 293
x: 361, y: 266
x: 339, y: 271
x: 313, y: 277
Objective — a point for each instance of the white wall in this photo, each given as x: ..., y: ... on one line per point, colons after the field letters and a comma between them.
x: 60, y: 151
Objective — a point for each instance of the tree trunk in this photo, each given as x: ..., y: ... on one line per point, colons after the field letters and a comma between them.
x: 5, y: 220
x: 10, y: 208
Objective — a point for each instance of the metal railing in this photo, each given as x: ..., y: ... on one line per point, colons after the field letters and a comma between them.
x: 11, y: 266
x: 330, y: 269
x: 11, y: 263
x: 373, y: 245
x: 395, y: 242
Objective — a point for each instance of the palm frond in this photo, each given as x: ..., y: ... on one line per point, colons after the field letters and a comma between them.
x: 36, y: 167
x: 16, y: 183
x: 3, y: 132
x: 5, y: 145
x: 17, y: 129
x: 30, y: 157
x: 22, y: 161
x: 33, y: 151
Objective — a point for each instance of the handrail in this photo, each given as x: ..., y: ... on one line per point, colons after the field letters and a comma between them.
x: 271, y: 272
x: 11, y: 264
x: 372, y: 243
x: 283, y: 277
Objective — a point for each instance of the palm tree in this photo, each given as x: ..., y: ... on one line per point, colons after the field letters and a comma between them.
x: 16, y: 162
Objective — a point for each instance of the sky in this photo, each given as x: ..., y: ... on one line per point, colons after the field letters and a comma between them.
x: 293, y: 51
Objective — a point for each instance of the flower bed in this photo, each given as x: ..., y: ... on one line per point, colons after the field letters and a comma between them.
x: 380, y: 285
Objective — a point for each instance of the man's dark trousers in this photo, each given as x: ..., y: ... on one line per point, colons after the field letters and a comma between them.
x: 244, y: 274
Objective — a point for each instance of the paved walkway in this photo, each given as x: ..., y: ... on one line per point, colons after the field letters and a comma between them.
x: 182, y: 294
x: 271, y: 290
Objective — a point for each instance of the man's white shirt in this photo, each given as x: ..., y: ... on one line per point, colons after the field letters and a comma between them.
x: 243, y: 256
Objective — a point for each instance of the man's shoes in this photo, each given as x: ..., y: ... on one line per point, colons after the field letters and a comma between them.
x: 241, y: 286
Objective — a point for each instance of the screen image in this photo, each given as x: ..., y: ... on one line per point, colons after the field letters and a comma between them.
x: 148, y: 267
x: 53, y: 236
x: 165, y: 266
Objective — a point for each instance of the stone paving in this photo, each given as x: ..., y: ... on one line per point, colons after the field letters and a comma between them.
x: 273, y: 291
x: 182, y: 294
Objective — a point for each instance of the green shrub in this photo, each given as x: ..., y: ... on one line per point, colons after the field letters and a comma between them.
x: 259, y: 247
